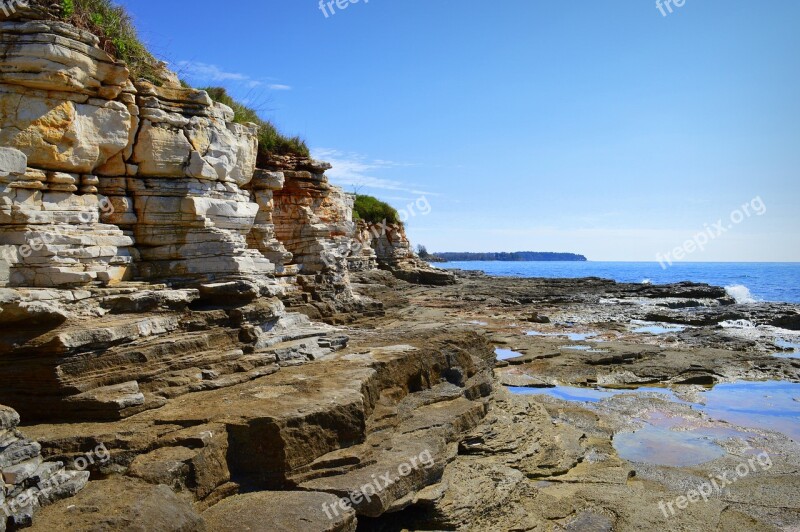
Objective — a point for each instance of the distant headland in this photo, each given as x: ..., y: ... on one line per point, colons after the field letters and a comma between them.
x: 517, y: 256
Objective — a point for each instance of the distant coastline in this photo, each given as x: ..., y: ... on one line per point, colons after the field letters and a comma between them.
x: 517, y: 256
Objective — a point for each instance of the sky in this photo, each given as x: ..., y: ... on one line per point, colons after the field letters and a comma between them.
x: 606, y: 128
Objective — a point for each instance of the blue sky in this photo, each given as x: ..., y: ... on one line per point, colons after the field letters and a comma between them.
x: 595, y: 127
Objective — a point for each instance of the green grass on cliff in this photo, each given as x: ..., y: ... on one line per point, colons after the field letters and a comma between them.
x: 373, y: 210
x: 270, y: 140
x: 118, y: 37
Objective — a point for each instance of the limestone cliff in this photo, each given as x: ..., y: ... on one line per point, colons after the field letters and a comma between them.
x: 394, y: 252
x: 107, y: 179
x: 168, y: 162
x: 147, y: 255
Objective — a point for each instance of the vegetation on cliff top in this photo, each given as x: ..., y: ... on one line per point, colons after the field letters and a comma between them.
x: 118, y: 37
x: 517, y: 256
x: 270, y: 140
x: 117, y: 34
x: 373, y: 210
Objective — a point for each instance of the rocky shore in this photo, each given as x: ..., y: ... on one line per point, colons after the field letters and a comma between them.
x: 309, y: 431
x: 198, y: 336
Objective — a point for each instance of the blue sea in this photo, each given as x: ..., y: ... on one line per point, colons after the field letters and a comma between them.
x: 746, y: 281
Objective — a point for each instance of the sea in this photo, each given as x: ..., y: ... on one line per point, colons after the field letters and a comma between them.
x: 747, y: 282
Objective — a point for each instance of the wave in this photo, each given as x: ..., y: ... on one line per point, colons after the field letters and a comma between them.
x: 647, y: 281
x: 738, y: 324
x: 740, y: 293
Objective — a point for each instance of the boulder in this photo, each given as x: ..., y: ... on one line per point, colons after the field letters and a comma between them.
x: 149, y: 300
x: 232, y: 291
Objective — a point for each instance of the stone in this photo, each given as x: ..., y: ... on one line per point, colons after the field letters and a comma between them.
x: 30, y: 483
x: 161, y: 151
x: 126, y: 504
x: 62, y: 178
x: 112, y: 398
x: 538, y: 318
x: 394, y: 252
x: 221, y: 293
x: 17, y: 473
x: 197, y: 470
x: 9, y: 418
x: 18, y: 452
x: 280, y: 511
x: 31, y: 313
x: 12, y: 162
x: 264, y: 179
x: 147, y: 301
x: 63, y: 135
x: 199, y: 168
x: 55, y: 56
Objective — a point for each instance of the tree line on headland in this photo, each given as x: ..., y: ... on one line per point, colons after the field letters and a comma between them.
x: 517, y: 256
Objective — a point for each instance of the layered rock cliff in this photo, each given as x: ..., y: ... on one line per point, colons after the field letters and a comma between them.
x: 105, y: 181
x: 393, y: 252
x: 29, y: 481
x: 119, y: 179
x: 159, y: 279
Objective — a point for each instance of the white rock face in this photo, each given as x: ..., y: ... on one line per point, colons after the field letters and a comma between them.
x: 55, y: 56
x: 56, y: 97
x: 104, y: 180
x: 170, y: 166
x: 63, y: 135
x: 12, y: 162
x: 188, y: 228
x: 55, y: 238
x: 172, y: 144
x: 161, y: 151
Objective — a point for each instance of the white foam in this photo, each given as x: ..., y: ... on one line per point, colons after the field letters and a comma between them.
x: 738, y: 324
x: 740, y: 293
x: 647, y: 281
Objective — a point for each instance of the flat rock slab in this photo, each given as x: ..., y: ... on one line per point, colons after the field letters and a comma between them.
x: 280, y: 511
x: 120, y: 504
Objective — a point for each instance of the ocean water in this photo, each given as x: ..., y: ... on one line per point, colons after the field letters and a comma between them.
x: 746, y: 281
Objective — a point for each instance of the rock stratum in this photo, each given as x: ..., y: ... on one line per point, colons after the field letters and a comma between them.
x: 193, y: 337
x: 147, y: 254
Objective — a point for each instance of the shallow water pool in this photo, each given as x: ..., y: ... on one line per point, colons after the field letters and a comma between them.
x: 660, y: 446
x: 657, y: 329
x: 573, y: 337
x: 591, y: 395
x: 505, y: 354
x: 677, y: 441
x: 795, y: 349
x: 772, y: 405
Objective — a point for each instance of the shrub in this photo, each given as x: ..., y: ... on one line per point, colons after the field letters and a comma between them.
x: 270, y: 140
x: 373, y: 210
x: 67, y: 8
x: 117, y: 34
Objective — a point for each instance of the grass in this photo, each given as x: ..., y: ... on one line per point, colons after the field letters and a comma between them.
x: 270, y: 140
x: 373, y: 210
x: 117, y: 34
x: 118, y: 37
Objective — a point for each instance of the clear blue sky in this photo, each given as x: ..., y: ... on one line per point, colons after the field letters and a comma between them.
x: 596, y: 127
